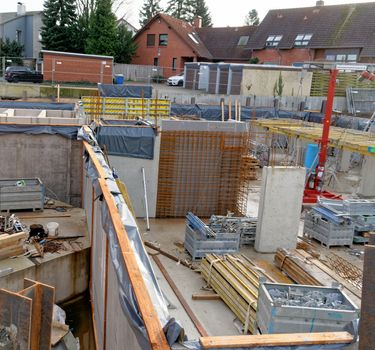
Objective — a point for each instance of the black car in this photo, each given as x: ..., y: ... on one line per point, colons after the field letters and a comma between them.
x: 14, y: 74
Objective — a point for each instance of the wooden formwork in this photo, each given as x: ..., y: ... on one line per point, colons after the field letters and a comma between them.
x: 206, y: 172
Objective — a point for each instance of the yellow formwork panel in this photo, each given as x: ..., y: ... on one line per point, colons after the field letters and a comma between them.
x: 352, y: 140
x: 125, y: 108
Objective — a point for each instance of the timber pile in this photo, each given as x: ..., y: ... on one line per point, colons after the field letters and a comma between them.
x: 12, y: 244
x: 304, y: 268
x: 235, y: 279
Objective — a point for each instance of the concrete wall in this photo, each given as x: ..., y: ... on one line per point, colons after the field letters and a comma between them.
x: 367, y: 184
x: 262, y: 82
x: 279, y: 208
x: 129, y: 171
x: 56, y: 160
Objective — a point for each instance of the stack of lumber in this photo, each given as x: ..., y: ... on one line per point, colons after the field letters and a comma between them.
x: 304, y: 268
x: 11, y: 245
x: 235, y: 279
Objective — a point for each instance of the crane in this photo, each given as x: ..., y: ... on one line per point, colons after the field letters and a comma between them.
x: 315, y: 181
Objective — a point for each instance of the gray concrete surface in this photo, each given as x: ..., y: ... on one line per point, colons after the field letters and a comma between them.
x: 367, y: 183
x: 56, y: 160
x: 279, y: 208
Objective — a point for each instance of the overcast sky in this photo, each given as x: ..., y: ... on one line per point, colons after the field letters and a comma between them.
x: 224, y: 13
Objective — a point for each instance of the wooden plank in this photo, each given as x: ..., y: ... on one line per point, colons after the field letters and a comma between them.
x: 269, y: 340
x: 180, y: 297
x: 150, y: 318
x: 46, y: 216
x: 206, y: 296
x: 273, y: 271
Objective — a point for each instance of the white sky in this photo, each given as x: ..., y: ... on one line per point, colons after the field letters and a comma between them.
x: 224, y: 13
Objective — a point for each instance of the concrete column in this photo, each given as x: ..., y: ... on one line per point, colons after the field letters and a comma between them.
x: 367, y: 183
x: 344, y: 159
x: 279, y: 208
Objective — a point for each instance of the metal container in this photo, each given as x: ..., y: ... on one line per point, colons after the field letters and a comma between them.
x: 21, y: 194
x: 273, y: 317
x: 198, y: 246
x: 327, y: 232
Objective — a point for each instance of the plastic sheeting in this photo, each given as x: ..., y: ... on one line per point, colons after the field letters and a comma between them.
x: 109, y: 90
x: 247, y: 113
x: 69, y: 132
x: 37, y: 105
x: 126, y: 293
x: 134, y: 142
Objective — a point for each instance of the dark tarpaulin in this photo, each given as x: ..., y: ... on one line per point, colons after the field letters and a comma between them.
x: 134, y: 142
x: 37, y: 105
x: 109, y: 90
x: 69, y: 132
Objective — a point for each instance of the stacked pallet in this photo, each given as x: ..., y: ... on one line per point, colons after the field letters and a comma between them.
x: 236, y: 280
x: 11, y: 244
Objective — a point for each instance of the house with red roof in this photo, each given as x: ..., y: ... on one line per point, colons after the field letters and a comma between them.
x: 169, y: 43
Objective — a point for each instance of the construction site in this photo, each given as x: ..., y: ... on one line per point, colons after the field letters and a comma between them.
x: 130, y: 221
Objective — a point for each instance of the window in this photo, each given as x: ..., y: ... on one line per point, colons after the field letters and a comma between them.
x: 156, y: 61
x: 163, y: 39
x: 150, y: 39
x: 18, y: 36
x: 302, y: 39
x: 174, y: 63
x: 341, y: 57
x: 273, y: 40
x: 243, y: 41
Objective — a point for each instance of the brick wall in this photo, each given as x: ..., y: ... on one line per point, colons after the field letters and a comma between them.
x: 77, y: 68
x: 284, y: 57
x: 176, y: 48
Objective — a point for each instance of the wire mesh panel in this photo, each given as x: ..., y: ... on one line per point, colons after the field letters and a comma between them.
x: 205, y: 172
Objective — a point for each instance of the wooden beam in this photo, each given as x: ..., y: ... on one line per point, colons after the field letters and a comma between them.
x: 153, y: 326
x: 180, y: 297
x: 269, y: 340
x: 206, y: 296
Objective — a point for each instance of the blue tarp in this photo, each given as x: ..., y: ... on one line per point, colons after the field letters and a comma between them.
x: 69, y: 132
x: 37, y: 105
x: 134, y: 142
x: 109, y: 90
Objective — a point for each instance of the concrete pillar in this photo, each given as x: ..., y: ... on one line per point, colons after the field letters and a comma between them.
x: 367, y: 183
x: 279, y: 208
x: 344, y: 159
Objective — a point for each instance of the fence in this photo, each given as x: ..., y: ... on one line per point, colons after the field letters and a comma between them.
x: 139, y: 73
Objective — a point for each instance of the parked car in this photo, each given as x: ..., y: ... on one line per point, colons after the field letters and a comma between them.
x: 14, y: 74
x: 176, y: 80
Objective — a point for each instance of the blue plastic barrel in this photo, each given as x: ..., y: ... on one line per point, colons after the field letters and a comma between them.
x: 311, y: 156
x: 119, y: 79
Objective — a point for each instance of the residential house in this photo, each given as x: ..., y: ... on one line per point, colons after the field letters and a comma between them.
x: 334, y: 33
x: 24, y: 27
x: 128, y: 26
x: 170, y: 43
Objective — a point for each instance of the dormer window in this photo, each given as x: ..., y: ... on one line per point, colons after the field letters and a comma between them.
x: 273, y: 40
x: 302, y: 40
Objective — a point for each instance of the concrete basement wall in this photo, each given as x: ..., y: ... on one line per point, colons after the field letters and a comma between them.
x: 56, y: 160
x: 129, y: 171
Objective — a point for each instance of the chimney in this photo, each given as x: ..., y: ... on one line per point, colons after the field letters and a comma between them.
x: 197, y: 22
x: 21, y: 9
x: 320, y: 3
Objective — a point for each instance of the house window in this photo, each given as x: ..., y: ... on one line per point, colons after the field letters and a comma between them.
x: 174, y: 63
x: 342, y: 57
x: 163, y: 39
x: 18, y: 36
x: 273, y: 40
x: 193, y: 36
x: 302, y: 39
x: 351, y: 58
x: 156, y: 61
x: 150, y: 39
x: 243, y: 41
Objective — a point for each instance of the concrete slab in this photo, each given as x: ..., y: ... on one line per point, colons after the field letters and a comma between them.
x: 279, y: 208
